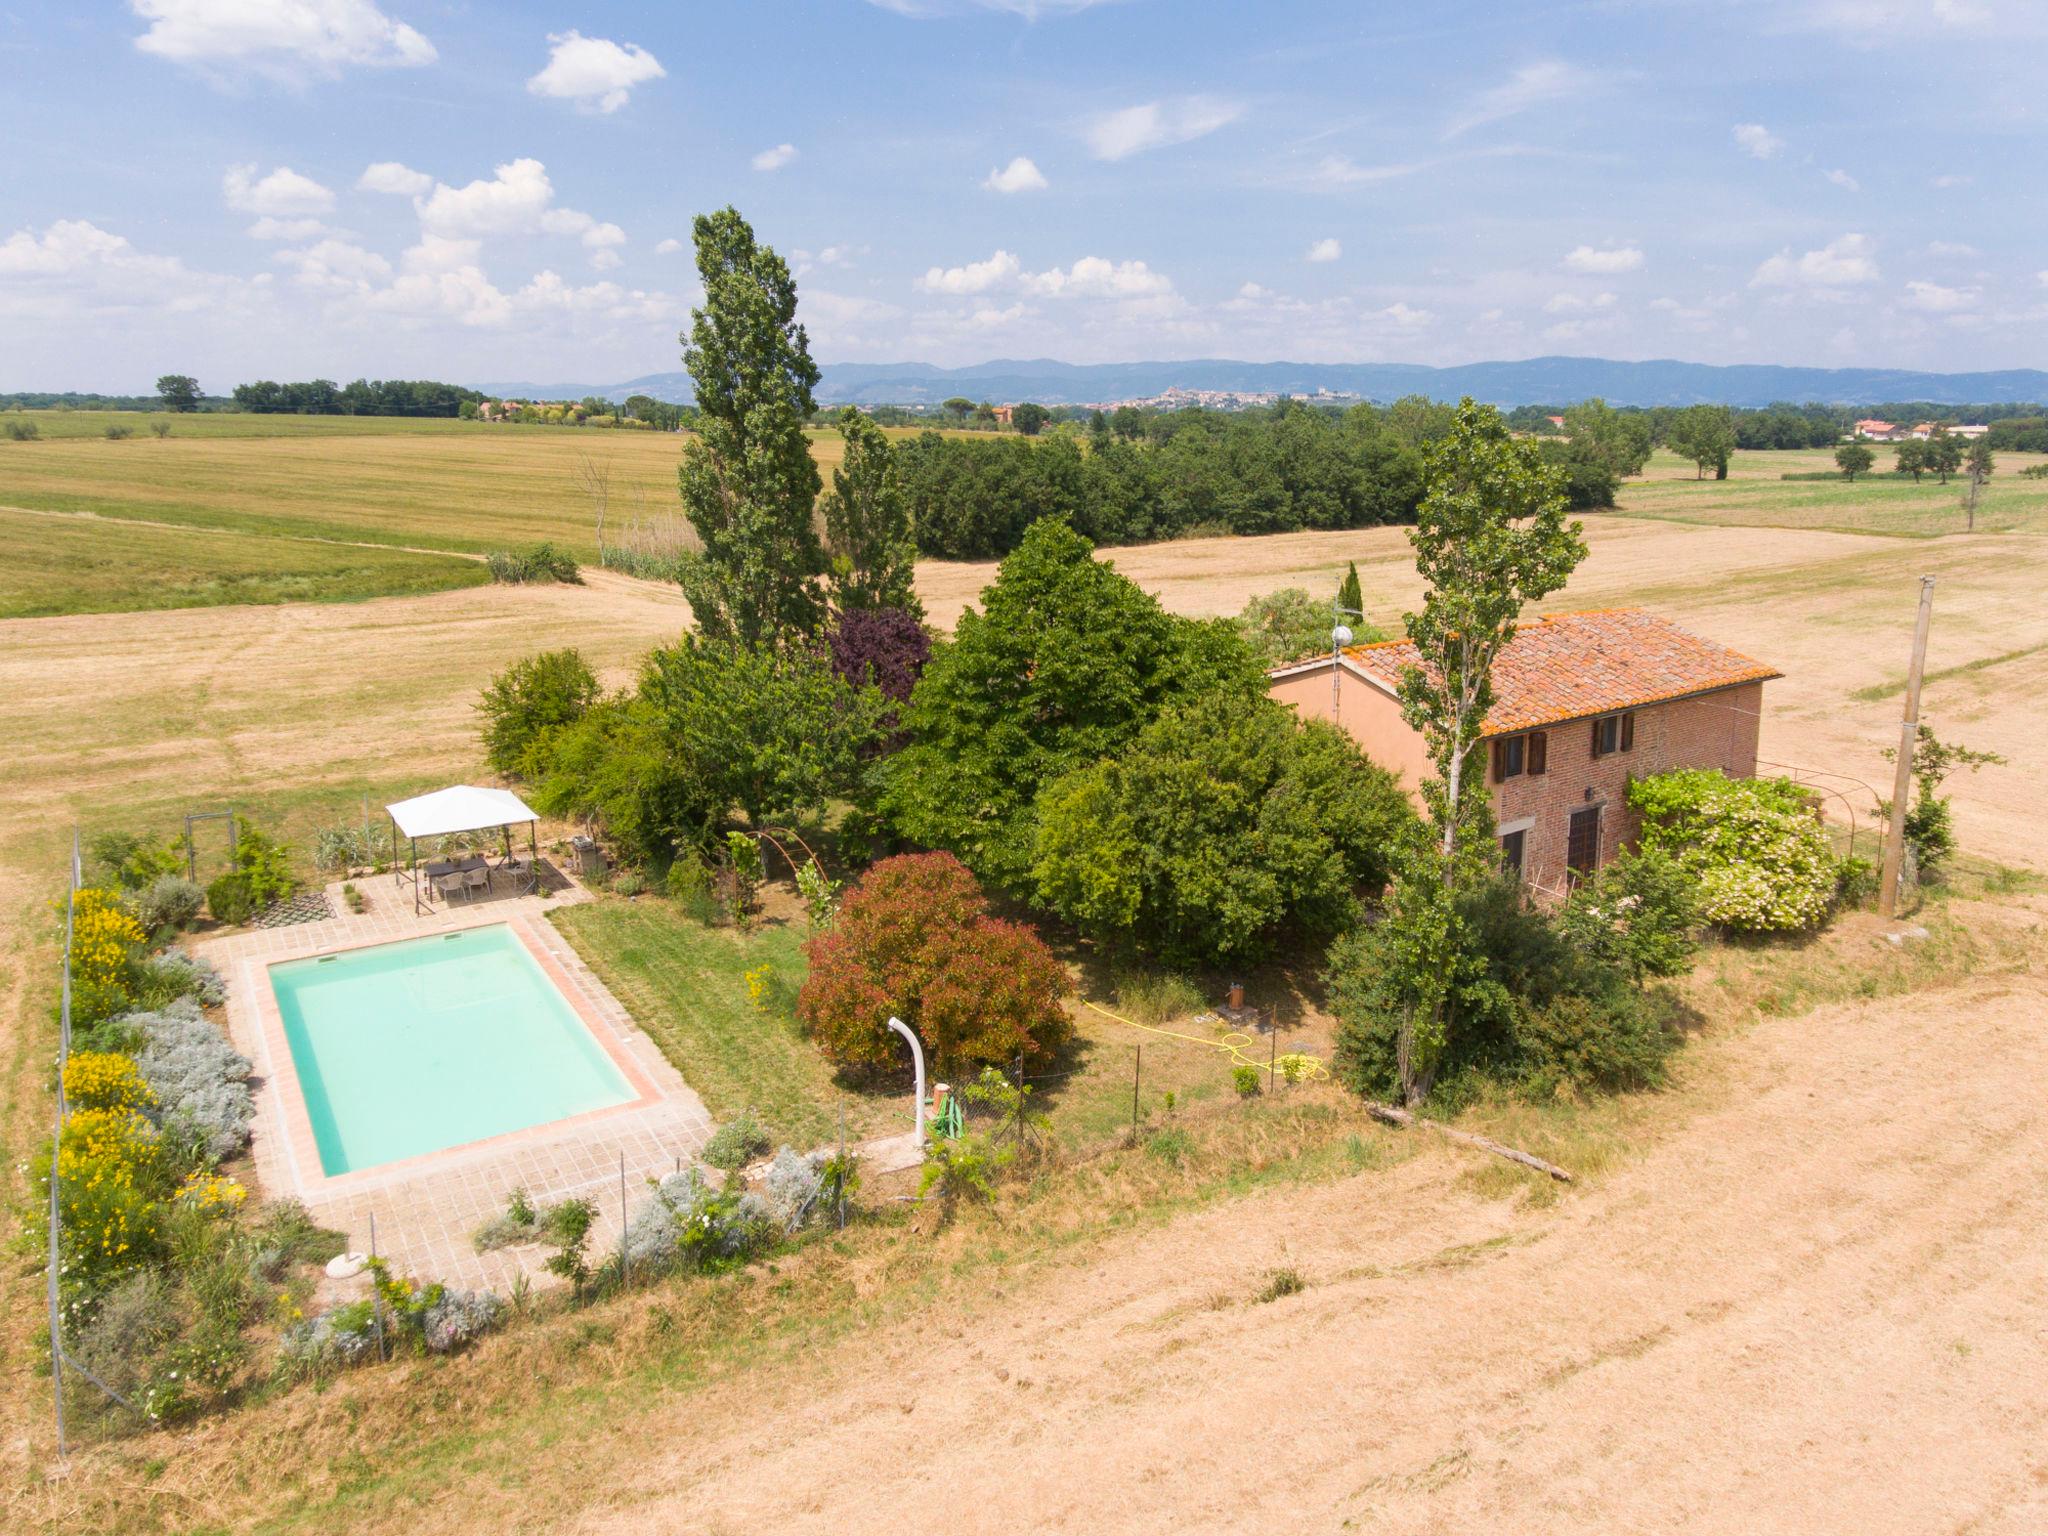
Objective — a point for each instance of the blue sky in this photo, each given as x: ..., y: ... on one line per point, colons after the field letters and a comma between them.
x: 289, y: 188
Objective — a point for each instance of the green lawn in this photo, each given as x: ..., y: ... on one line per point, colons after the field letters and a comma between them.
x: 63, y: 564
x: 686, y: 986
x: 1756, y: 494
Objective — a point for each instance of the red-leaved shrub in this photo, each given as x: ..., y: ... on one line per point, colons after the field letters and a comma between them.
x: 915, y: 939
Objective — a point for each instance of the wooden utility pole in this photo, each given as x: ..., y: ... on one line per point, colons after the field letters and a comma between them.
x: 1902, y: 776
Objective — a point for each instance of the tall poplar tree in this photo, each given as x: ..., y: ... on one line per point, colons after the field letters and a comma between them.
x: 867, y: 522
x: 1491, y: 537
x: 748, y: 481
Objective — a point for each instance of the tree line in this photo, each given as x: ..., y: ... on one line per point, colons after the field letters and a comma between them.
x: 363, y: 397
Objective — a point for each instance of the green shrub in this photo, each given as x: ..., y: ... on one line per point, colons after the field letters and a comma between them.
x: 28, y: 432
x: 1614, y: 1042
x: 230, y: 898
x: 529, y: 702
x: 1639, y: 914
x: 1855, y: 882
x: 738, y: 1142
x: 629, y: 882
x: 168, y: 904
x: 1246, y: 1081
x: 1759, y: 857
x: 542, y: 563
x: 1155, y: 997
x: 1281, y: 1282
x: 688, y: 884
x: 118, y: 430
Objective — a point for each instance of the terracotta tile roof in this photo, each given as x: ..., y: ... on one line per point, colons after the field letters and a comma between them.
x: 1572, y: 665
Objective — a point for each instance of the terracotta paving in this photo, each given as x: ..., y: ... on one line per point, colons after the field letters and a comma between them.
x: 425, y: 1208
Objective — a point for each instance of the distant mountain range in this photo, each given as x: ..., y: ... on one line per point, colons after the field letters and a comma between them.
x: 1532, y: 381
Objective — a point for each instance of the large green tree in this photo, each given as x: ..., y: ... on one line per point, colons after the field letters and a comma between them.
x: 1224, y: 825
x: 1065, y: 664
x: 867, y: 522
x: 1706, y: 435
x: 748, y: 481
x: 772, y: 731
x: 178, y: 391
x: 1491, y: 537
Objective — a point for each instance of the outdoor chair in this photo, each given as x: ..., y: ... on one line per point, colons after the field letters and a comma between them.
x: 478, y: 879
x: 452, y: 885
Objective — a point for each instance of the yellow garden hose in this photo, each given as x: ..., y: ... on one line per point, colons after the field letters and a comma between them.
x: 1295, y: 1066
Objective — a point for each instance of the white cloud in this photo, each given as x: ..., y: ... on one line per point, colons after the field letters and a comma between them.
x: 1937, y: 300
x: 390, y: 176
x: 282, y: 193
x: 1328, y: 249
x: 278, y: 36
x: 1844, y: 180
x: 267, y: 228
x: 1154, y: 124
x: 514, y: 201
x: 594, y: 72
x: 1533, y: 85
x: 668, y: 247
x: 1950, y: 249
x: 1840, y: 263
x: 1020, y: 175
x: 2042, y: 277
x: 1404, y: 316
x: 975, y: 277
x: 774, y: 159
x: 337, y: 264
x: 1758, y: 140
x: 1950, y: 180
x: 1569, y: 303
x: 74, y: 269
x: 1620, y: 258
x: 1092, y: 277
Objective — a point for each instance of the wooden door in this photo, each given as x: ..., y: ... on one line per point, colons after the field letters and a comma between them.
x: 1582, y: 845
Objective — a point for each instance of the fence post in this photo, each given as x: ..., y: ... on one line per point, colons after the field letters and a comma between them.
x: 622, y: 1220
x: 1137, y: 1071
x: 376, y: 1292
x: 56, y: 1234
x: 842, y: 1165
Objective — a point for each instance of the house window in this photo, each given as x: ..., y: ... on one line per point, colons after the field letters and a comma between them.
x: 1614, y: 733
x: 1514, y: 756
x: 1582, y: 841
x: 1511, y: 846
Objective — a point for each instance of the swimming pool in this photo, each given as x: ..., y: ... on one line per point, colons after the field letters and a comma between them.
x: 425, y: 1044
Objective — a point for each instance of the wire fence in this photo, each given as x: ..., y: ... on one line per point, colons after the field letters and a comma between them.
x: 60, y: 1360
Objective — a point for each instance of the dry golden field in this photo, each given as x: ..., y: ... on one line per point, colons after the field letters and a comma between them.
x: 1794, y: 1299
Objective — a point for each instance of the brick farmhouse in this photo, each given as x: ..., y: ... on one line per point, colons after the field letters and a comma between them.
x: 1583, y: 702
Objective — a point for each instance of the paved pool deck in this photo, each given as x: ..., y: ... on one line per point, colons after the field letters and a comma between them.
x: 426, y: 1207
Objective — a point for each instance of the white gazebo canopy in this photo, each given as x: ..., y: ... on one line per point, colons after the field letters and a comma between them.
x: 460, y: 808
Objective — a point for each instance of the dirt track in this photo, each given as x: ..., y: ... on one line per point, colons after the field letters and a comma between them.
x: 1814, y: 1307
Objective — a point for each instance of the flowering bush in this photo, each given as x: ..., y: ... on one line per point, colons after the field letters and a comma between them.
x: 915, y: 939
x: 108, y: 1181
x: 104, y: 938
x: 213, y: 1193
x: 104, y: 1080
x: 688, y: 1225
x: 1759, y: 857
x: 416, y: 1318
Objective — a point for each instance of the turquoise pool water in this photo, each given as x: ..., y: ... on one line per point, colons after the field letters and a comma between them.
x: 430, y: 1043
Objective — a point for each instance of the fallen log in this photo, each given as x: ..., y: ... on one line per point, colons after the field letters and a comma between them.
x: 1401, y: 1117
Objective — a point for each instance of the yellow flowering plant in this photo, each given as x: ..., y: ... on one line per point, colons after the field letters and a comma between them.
x: 105, y: 1080
x: 104, y: 939
x: 213, y: 1193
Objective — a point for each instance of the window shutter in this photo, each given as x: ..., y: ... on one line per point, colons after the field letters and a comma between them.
x: 1628, y: 732
x: 1539, y: 751
x: 1596, y: 740
x: 1499, y: 761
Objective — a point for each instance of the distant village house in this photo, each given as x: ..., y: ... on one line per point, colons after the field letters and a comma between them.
x: 1583, y: 702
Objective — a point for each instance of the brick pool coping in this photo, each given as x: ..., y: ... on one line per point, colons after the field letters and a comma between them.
x: 425, y: 1207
